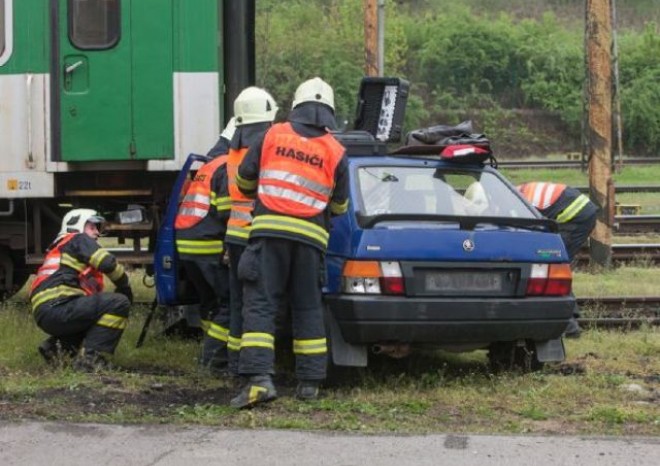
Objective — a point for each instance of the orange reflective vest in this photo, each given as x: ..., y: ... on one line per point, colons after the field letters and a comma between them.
x: 90, y: 279
x: 199, y: 197
x: 240, y: 216
x: 542, y: 195
x: 296, y: 175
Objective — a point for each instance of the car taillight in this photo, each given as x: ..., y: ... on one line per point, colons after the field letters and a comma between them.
x: 549, y: 280
x: 372, y: 277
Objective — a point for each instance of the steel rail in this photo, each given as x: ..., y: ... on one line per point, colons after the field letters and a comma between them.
x: 627, y: 253
x: 514, y: 164
x: 627, y: 224
x: 629, y: 188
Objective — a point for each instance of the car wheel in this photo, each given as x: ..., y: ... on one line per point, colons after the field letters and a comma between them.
x: 514, y: 355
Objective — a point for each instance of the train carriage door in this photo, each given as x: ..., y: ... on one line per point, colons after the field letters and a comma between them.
x: 114, y: 80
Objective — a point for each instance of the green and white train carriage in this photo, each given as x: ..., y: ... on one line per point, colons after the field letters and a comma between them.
x: 101, y: 101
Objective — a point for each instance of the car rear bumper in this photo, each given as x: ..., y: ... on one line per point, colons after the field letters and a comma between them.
x: 371, y: 319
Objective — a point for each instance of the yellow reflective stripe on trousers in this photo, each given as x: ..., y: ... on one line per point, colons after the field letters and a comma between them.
x: 293, y: 225
x: 191, y: 246
x: 573, y: 209
x: 54, y: 293
x: 206, y: 325
x: 112, y: 321
x: 257, y: 340
x: 72, y: 262
x: 233, y: 343
x: 218, y: 332
x: 117, y: 273
x: 97, y: 258
x: 316, y: 346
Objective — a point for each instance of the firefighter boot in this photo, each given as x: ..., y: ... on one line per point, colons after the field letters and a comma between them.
x: 90, y: 361
x: 48, y: 350
x: 257, y: 389
x: 307, y: 390
x: 573, y: 329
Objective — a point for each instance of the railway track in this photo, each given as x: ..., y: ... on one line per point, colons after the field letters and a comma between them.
x: 633, y: 224
x: 622, y: 312
x: 623, y: 189
x: 612, y: 311
x: 515, y: 164
x: 623, y: 253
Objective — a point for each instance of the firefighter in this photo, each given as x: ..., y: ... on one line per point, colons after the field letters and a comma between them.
x: 575, y: 215
x: 67, y: 299
x: 221, y: 147
x: 200, y: 227
x: 254, y: 111
x: 298, y: 174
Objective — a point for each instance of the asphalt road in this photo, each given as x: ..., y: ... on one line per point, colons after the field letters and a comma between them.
x: 35, y: 443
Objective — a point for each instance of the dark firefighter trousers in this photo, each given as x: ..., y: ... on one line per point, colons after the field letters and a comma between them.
x: 95, y: 322
x: 575, y: 233
x: 235, y: 252
x: 275, y: 270
x: 209, y: 277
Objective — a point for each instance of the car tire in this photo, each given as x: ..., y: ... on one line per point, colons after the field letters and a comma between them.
x: 506, y: 356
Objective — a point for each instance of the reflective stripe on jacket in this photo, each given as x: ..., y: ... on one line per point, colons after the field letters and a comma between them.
x: 199, y: 196
x: 90, y: 280
x: 542, y: 195
x: 200, y: 228
x: 573, y: 209
x: 240, y: 218
x: 296, y: 175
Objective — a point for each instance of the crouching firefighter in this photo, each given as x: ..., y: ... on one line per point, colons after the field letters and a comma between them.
x: 298, y: 173
x: 67, y: 295
x: 200, y: 227
x: 575, y: 215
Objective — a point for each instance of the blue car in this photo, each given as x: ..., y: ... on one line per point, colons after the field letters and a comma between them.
x: 443, y: 254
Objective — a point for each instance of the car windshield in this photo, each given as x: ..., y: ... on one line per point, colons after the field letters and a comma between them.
x: 429, y: 191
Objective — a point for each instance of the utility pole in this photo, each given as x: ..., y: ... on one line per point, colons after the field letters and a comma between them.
x: 601, y: 187
x: 370, y: 38
x: 617, y: 92
x: 381, y: 37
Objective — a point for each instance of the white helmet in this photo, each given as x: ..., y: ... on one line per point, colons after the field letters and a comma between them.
x: 74, y: 221
x: 476, y: 194
x: 229, y: 130
x: 314, y: 90
x: 254, y: 105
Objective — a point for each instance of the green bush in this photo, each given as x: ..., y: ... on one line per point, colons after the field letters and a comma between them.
x: 462, y: 61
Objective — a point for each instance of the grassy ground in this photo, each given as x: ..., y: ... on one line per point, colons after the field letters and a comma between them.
x: 609, y: 384
x: 629, y: 280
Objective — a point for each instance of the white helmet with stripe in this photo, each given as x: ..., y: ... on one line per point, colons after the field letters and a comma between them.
x: 254, y: 105
x: 314, y: 90
x: 74, y: 221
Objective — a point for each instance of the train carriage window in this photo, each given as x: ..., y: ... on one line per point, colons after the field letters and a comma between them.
x: 94, y: 24
x: 2, y: 27
x: 5, y: 30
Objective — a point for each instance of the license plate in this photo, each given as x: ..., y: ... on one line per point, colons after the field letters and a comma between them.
x: 457, y: 281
